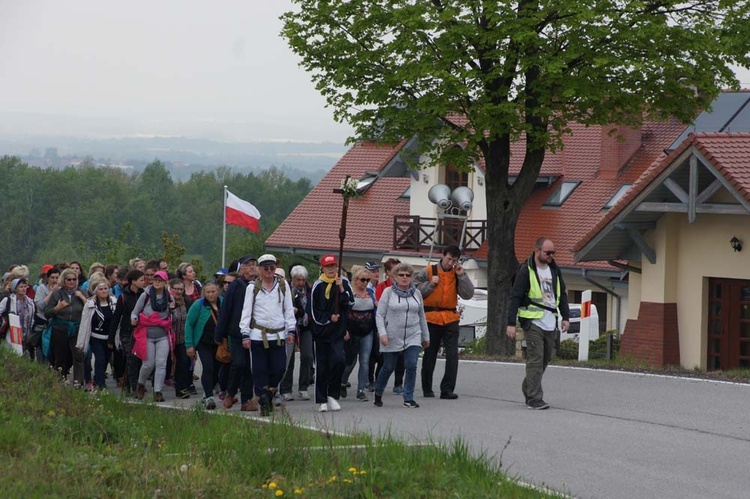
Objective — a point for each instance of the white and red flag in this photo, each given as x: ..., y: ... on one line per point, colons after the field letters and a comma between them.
x: 240, y: 212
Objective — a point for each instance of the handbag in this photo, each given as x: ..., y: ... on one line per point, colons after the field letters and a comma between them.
x: 360, y: 323
x: 223, y: 354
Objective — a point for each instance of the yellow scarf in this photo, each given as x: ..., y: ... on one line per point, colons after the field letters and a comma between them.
x: 330, y: 282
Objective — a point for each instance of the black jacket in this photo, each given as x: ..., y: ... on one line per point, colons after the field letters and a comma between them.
x: 519, y: 295
x: 231, y: 311
x: 121, y: 318
x: 322, y: 309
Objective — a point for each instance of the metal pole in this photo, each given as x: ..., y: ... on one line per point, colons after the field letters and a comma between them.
x: 224, y: 231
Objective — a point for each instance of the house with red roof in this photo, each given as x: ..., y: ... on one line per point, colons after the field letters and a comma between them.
x: 578, y: 187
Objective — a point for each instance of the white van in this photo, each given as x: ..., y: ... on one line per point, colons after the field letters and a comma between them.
x: 473, y: 323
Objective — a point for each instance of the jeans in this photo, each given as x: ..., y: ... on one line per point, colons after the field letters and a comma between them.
x: 156, y: 359
x: 363, y: 346
x: 446, y: 334
x: 539, y: 345
x: 100, y: 350
x: 411, y: 356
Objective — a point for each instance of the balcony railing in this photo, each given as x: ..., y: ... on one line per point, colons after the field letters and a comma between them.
x: 417, y: 233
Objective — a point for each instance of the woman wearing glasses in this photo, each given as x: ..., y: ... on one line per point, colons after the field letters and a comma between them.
x: 64, y: 308
x: 360, y: 324
x: 402, y: 327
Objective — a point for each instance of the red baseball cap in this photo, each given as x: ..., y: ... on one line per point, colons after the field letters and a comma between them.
x: 328, y: 260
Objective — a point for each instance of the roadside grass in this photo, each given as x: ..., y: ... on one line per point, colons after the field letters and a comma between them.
x: 60, y: 442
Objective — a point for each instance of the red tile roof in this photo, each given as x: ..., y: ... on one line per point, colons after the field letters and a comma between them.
x: 584, y: 207
x: 728, y: 153
x: 314, y: 223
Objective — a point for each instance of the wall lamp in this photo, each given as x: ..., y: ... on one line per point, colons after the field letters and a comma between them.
x: 736, y: 244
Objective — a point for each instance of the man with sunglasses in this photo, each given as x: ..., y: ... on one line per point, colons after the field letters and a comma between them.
x: 538, y: 293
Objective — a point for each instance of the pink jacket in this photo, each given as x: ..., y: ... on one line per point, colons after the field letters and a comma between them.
x: 140, y: 348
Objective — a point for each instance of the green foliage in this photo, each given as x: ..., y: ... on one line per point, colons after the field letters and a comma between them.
x: 568, y: 350
x: 102, y: 214
x: 476, y: 347
x: 597, y: 347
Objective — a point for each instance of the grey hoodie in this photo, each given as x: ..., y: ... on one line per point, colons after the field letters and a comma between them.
x: 402, y: 320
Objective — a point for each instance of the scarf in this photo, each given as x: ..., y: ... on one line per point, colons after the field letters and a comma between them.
x: 158, y: 306
x: 404, y: 294
x: 330, y: 282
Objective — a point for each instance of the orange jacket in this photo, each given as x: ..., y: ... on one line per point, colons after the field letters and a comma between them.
x: 444, y: 297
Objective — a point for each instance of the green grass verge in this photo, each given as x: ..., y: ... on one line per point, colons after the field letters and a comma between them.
x: 60, y: 442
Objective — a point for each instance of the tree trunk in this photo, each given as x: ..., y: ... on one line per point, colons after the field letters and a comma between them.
x: 504, y: 203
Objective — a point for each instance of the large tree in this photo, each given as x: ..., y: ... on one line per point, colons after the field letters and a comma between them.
x: 485, y: 73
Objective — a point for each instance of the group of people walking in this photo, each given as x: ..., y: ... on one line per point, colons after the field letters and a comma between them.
x: 245, y: 327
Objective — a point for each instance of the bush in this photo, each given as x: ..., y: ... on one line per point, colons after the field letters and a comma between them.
x: 568, y: 350
x: 598, y: 347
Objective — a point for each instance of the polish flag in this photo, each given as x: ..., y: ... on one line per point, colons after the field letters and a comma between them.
x: 242, y: 213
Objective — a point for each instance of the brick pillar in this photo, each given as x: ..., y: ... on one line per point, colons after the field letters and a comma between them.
x: 655, y: 336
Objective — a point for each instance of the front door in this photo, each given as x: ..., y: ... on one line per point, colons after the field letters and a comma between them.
x: 728, y: 324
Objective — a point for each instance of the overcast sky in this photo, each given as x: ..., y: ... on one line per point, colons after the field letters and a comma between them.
x: 187, y: 67
x: 214, y: 70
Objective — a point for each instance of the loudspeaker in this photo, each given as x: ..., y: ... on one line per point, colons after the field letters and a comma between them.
x: 462, y: 197
x: 440, y: 194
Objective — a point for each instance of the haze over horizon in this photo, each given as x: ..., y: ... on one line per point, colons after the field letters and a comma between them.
x: 174, y: 68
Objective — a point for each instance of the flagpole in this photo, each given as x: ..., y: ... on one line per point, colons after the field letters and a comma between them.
x: 224, y: 231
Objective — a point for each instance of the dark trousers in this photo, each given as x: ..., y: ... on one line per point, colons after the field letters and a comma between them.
x: 132, y: 363
x: 269, y: 365
x: 240, y: 372
x: 447, y: 336
x: 330, y: 363
x: 305, y: 363
x: 100, y: 350
x: 182, y: 377
x: 66, y: 356
x: 207, y: 354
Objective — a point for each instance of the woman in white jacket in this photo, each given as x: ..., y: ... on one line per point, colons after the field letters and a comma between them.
x: 94, y: 329
x: 21, y: 305
x: 402, y: 326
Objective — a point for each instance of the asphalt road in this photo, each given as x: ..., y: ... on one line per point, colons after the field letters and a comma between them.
x: 607, y: 434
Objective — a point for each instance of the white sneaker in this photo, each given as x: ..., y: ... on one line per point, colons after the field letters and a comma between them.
x: 323, y: 408
x: 333, y: 404
x: 304, y: 396
x: 287, y: 397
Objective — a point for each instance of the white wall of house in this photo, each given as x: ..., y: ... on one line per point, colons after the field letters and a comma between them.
x: 420, y: 204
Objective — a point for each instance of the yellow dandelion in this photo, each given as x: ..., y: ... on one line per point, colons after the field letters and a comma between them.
x: 363, y: 472
x: 279, y: 493
x: 353, y: 470
x: 298, y: 492
x: 346, y: 480
x: 333, y: 478
x: 264, y: 486
x: 272, y: 485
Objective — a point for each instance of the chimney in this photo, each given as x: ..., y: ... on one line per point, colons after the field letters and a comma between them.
x: 618, y: 146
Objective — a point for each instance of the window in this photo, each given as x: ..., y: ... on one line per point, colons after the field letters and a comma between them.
x: 455, y: 178
x: 364, y: 183
x: 618, y: 195
x: 562, y: 193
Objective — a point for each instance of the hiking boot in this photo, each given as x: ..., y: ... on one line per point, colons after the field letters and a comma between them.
x: 378, y: 400
x: 140, y: 391
x: 398, y: 390
x: 538, y: 405
x: 158, y: 397
x: 209, y: 403
x: 183, y: 394
x: 428, y: 394
x: 410, y: 404
x: 361, y: 396
x: 229, y: 401
x: 250, y: 405
x: 192, y: 390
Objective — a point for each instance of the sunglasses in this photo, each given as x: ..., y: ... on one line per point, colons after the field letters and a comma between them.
x: 404, y: 275
x: 363, y: 279
x: 268, y: 267
x: 71, y: 279
x: 549, y: 253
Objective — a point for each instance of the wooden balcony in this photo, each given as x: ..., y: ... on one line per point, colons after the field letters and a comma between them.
x: 417, y: 233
